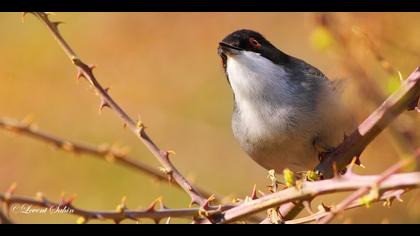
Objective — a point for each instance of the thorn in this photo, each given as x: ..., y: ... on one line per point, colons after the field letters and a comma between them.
x: 11, y: 190
x: 206, y: 204
x: 157, y: 220
x: 124, y: 126
x: 350, y: 168
x: 254, y: 192
x: 79, y: 74
x: 168, y: 221
x: 56, y: 24
x: 171, y: 152
x: 102, y: 105
x: 162, y: 206
x: 358, y: 162
x: 91, y: 67
x: 151, y: 207
x: 121, y: 207
x: 324, y: 207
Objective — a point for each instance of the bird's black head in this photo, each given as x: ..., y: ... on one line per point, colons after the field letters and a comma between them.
x: 249, y: 40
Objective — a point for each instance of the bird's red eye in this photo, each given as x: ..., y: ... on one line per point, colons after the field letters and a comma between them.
x: 254, y: 42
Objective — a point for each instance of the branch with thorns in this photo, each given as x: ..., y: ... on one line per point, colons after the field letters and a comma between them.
x: 105, y: 152
x: 389, y: 189
x: 156, y: 211
x: 137, y: 127
x: 298, y: 194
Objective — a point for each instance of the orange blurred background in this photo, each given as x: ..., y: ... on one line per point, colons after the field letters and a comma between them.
x: 164, y: 67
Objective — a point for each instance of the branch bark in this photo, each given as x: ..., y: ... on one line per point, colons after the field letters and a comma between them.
x: 405, y: 98
x: 387, y: 198
x: 137, y: 128
x: 117, y: 216
x: 103, y: 153
x: 365, y: 190
x: 309, y: 190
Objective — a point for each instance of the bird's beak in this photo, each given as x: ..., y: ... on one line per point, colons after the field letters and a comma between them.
x: 228, y: 49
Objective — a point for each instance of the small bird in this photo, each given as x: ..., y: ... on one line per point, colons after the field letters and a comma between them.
x: 286, y: 113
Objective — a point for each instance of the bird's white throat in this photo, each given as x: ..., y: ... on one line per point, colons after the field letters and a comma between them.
x: 251, y: 75
x: 259, y: 86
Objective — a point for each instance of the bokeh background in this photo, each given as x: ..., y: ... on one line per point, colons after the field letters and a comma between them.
x: 164, y: 67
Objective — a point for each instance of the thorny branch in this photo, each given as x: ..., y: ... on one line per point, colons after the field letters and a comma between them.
x: 366, y: 84
x: 353, y: 145
x: 103, y: 151
x: 120, y: 214
x: 387, y: 198
x: 388, y: 185
x: 137, y: 128
x: 309, y: 190
x: 373, y: 188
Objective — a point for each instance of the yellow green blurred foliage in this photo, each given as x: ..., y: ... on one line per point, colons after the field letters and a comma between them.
x: 164, y: 67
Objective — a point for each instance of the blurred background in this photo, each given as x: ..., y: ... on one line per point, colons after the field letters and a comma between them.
x: 164, y: 67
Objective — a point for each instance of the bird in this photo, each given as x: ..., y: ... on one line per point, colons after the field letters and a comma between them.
x: 286, y: 112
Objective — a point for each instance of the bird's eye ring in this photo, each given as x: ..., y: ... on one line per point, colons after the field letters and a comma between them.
x: 254, y: 42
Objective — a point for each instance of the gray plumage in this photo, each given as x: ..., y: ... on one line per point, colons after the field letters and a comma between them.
x: 284, y: 108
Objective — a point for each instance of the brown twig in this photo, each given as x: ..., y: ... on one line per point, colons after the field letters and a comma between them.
x: 122, y: 213
x: 387, y: 198
x: 366, y: 84
x: 364, y: 190
x: 228, y: 213
x: 104, y: 153
x: 137, y: 128
x: 309, y: 190
x: 353, y: 146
